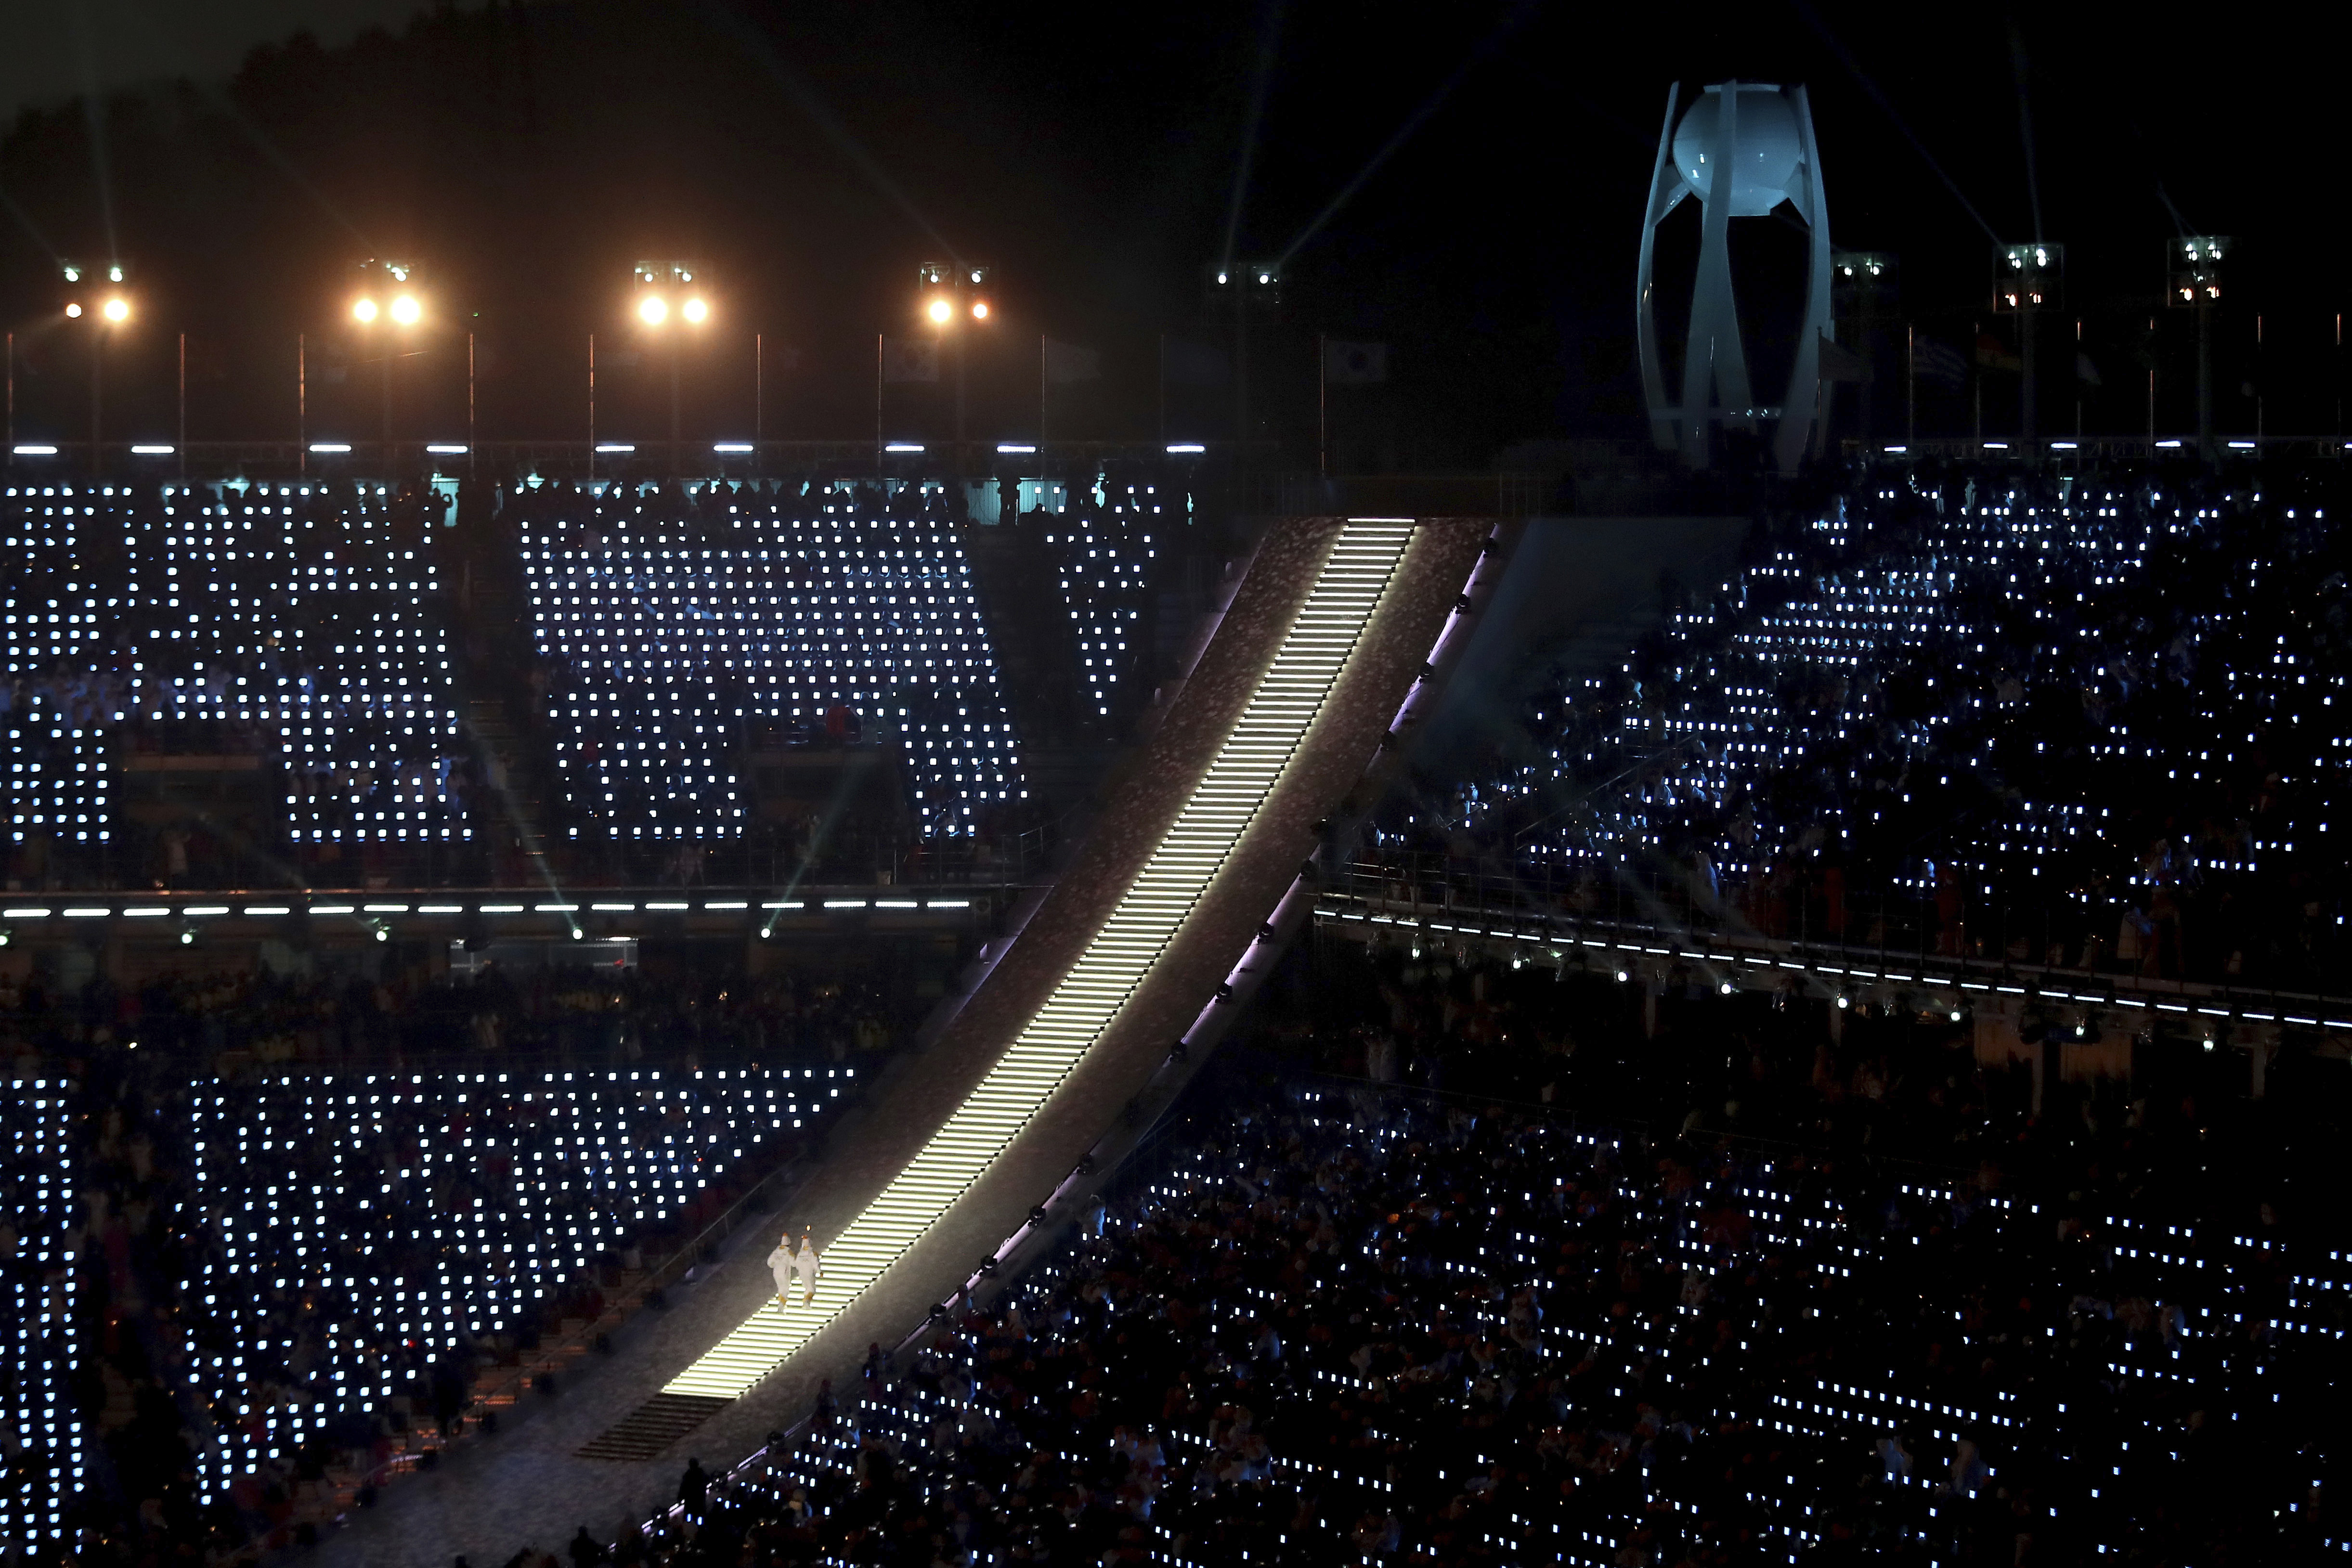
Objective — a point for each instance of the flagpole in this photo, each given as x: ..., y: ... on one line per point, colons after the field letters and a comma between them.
x: 1044, y: 373
x: 1910, y: 382
x: 1322, y: 407
x: 877, y: 402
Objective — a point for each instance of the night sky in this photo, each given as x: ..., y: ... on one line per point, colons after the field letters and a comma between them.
x: 811, y: 155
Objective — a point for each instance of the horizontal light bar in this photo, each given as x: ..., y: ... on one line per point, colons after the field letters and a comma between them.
x: 440, y: 909
x: 34, y: 451
x: 26, y: 913
x: 551, y: 909
x: 502, y: 909
x: 844, y: 904
x: 267, y: 909
x: 152, y: 451
x: 904, y: 447
x: 445, y: 448
x: 731, y: 446
x: 331, y: 446
x: 1015, y: 448
x: 613, y: 908
x: 2242, y: 446
x: 331, y: 909
x: 85, y: 914
x: 615, y: 446
x: 205, y: 909
x: 2063, y: 446
x: 151, y: 913
x: 1186, y: 448
x: 386, y: 908
x: 1249, y: 764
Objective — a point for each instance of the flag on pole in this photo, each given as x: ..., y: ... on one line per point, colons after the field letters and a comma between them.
x: 1348, y: 364
x: 1939, y: 362
x: 1068, y: 362
x: 910, y: 359
x: 1992, y: 354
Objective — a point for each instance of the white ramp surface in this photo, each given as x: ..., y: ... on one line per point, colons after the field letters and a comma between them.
x: 1263, y: 739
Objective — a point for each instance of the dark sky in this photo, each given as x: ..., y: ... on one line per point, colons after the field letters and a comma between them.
x: 53, y: 51
x: 813, y: 152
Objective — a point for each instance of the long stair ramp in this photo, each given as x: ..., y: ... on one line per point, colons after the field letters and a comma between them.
x: 1358, y: 562
x: 1199, y: 840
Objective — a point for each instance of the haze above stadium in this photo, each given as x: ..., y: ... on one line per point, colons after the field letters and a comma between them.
x: 813, y: 154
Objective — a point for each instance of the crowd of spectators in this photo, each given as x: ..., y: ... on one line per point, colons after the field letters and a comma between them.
x: 2079, y: 719
x: 232, y: 1384
x: 1334, y: 1325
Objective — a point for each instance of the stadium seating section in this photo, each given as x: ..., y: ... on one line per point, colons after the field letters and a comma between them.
x: 40, y: 1417
x: 2091, y: 721
x: 1351, y: 1328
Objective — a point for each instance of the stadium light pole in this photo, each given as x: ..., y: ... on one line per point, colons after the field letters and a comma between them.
x: 665, y: 290
x: 2193, y: 282
x: 955, y: 296
x: 105, y: 305
x: 387, y: 298
x: 1244, y: 288
x: 2033, y: 276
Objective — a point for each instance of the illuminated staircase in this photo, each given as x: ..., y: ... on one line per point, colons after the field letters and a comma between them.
x: 1361, y: 563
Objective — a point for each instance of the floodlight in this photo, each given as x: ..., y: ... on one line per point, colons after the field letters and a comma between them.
x: 405, y: 310
x: 2031, y: 277
x: 940, y: 311
x: 695, y: 310
x: 653, y: 309
x: 118, y: 309
x: 74, y: 310
x: 2194, y: 269
x: 364, y: 309
x: 980, y: 310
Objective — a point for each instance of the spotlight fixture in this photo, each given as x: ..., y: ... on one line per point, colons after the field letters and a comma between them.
x: 664, y: 287
x: 382, y: 288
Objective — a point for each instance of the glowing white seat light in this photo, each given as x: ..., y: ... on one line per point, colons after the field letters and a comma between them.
x: 1260, y: 745
x: 37, y: 1329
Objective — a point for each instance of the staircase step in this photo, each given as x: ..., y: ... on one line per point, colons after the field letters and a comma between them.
x: 653, y: 1427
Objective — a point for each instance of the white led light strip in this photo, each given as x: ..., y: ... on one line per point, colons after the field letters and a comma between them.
x: 1262, y: 743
